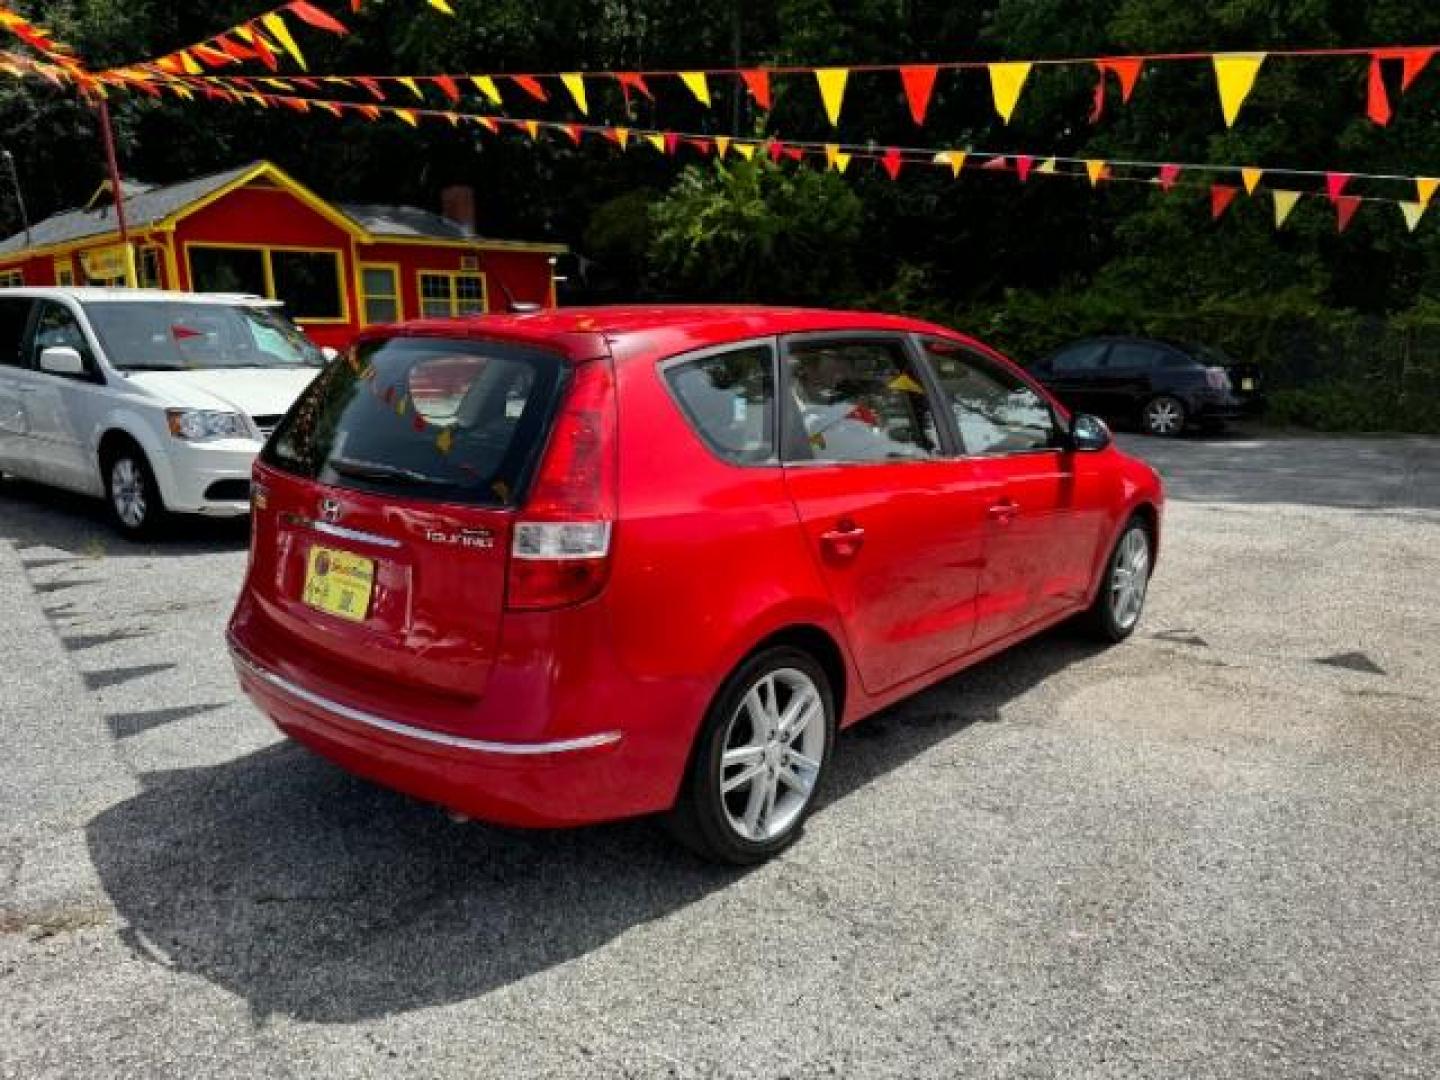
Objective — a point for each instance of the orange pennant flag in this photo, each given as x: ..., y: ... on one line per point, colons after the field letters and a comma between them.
x: 836, y: 158
x: 1426, y: 187
x: 722, y: 146
x: 757, y: 81
x: 832, y: 91
x: 1252, y: 178
x: 1098, y: 171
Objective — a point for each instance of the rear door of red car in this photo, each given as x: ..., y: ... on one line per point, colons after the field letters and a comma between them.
x: 895, y: 521
x: 1044, y: 522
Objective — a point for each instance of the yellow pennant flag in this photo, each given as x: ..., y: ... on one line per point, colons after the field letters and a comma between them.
x: 1097, y: 171
x: 722, y: 146
x: 1049, y: 167
x: 442, y: 6
x: 622, y: 136
x: 575, y: 83
x: 486, y: 85
x: 1006, y: 82
x: 182, y: 91
x: 954, y: 158
x: 533, y: 128
x: 1235, y: 75
x: 1252, y: 179
x: 832, y: 91
x: 745, y: 150
x: 1427, y: 188
x: 279, y: 84
x: 281, y: 33
x: 904, y: 384
x: 1285, y: 202
x: 698, y: 85
x: 1413, y: 212
x: 191, y: 65
x: 657, y: 141
x: 408, y: 116
x: 837, y: 159
x: 412, y: 86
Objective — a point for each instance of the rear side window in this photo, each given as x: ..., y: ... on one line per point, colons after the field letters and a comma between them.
x: 1132, y: 356
x: 424, y: 418
x: 14, y: 317
x: 859, y: 401
x: 729, y: 399
x: 1079, y: 359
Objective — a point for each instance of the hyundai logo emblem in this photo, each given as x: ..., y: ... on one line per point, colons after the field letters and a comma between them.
x: 329, y: 510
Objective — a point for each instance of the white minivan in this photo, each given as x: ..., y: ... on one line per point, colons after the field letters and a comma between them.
x: 156, y: 401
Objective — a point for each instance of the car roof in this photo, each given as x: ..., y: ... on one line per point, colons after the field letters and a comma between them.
x: 94, y: 294
x: 657, y: 329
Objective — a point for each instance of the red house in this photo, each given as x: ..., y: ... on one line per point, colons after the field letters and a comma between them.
x: 337, y: 267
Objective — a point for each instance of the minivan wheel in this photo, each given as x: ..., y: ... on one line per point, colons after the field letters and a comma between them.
x: 1164, y: 416
x: 132, y: 494
x: 759, y: 759
x: 1121, y: 599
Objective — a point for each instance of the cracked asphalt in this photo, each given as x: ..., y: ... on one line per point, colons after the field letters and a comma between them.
x: 1212, y: 852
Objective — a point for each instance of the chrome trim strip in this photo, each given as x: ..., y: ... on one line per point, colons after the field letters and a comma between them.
x: 454, y: 742
x: 342, y: 533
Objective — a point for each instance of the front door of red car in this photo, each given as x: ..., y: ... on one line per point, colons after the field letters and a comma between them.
x: 1044, y: 524
x: 896, y: 523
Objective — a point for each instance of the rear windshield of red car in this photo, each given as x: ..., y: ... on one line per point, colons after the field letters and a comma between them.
x: 424, y: 418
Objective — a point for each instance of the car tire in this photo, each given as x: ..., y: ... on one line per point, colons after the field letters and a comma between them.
x: 131, y: 493
x: 1163, y: 416
x: 759, y: 760
x: 1120, y: 600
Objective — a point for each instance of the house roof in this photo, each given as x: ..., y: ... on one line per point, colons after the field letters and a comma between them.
x: 146, y: 207
x: 142, y: 210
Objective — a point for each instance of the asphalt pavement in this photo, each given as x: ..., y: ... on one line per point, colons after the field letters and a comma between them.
x: 1211, y: 852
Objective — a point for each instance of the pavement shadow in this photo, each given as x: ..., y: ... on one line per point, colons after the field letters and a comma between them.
x: 33, y: 516
x: 314, y: 895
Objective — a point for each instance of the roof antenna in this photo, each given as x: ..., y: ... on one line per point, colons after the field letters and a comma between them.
x: 513, y: 306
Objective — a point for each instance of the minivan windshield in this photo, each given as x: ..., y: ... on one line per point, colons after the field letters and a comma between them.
x: 156, y: 335
x: 424, y: 418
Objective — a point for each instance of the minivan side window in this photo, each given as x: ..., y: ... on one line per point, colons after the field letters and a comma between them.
x: 57, y: 327
x: 14, y: 318
x: 858, y: 401
x: 729, y: 399
x: 996, y: 411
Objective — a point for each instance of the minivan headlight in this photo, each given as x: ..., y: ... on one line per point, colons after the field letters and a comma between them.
x: 198, y: 425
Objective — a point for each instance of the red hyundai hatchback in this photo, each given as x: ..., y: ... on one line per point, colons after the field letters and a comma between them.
x: 568, y: 567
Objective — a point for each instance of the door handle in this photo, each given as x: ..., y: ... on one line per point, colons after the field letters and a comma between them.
x: 845, y: 540
x: 1005, y: 511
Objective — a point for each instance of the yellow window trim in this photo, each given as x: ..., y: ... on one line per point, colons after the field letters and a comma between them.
x: 397, y: 274
x: 12, y: 279
x: 269, y: 269
x: 64, y: 269
x: 451, y: 277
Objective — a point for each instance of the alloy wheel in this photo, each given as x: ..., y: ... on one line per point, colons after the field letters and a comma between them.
x: 1130, y: 578
x: 773, y: 751
x: 127, y: 492
x: 1164, y: 416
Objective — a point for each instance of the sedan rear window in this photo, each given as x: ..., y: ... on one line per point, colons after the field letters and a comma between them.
x: 424, y: 418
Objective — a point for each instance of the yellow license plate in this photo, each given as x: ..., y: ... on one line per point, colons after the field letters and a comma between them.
x: 339, y: 583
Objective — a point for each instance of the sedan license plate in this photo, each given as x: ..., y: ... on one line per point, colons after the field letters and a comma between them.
x: 339, y: 583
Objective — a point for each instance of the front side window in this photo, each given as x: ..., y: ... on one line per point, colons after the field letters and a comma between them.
x: 1080, y: 359
x: 424, y: 418
x: 729, y: 399
x: 1133, y: 356
x: 859, y: 401
x: 996, y: 411
x: 179, y: 336
x: 14, y: 321
x: 56, y: 327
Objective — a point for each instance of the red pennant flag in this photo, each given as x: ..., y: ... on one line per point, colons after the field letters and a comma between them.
x: 235, y: 49
x: 757, y: 81
x: 306, y: 82
x: 1335, y: 185
x: 530, y: 86
x: 702, y: 145
x: 573, y: 130
x: 794, y: 153
x: 672, y: 140
x: 633, y: 80
x: 997, y: 164
x: 370, y: 112
x: 1221, y: 196
x: 1023, y: 164
x: 1169, y: 174
x: 262, y: 47
x: 919, y: 84
x: 315, y: 17
x: 1378, y: 105
x: 776, y: 150
x: 448, y: 87
x: 892, y: 162
x: 1345, y: 207
x: 489, y: 124
x: 211, y: 56
x: 1127, y: 71
x: 1413, y: 62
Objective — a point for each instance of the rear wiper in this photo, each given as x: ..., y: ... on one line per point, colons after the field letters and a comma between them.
x: 374, y: 470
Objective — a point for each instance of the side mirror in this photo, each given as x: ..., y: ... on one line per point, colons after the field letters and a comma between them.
x: 1089, y: 434
x: 62, y: 360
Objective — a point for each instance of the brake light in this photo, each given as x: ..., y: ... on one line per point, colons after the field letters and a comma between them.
x: 1217, y: 378
x: 560, y: 550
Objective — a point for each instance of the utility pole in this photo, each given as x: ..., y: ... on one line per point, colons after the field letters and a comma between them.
x: 107, y: 134
x: 19, y: 193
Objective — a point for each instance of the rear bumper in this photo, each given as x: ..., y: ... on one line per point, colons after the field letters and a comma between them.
x: 562, y: 783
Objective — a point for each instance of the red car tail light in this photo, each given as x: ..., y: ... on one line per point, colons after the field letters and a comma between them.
x: 560, y: 550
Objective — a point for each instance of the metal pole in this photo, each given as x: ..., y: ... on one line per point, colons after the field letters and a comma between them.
x: 19, y: 194
x: 108, y: 135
